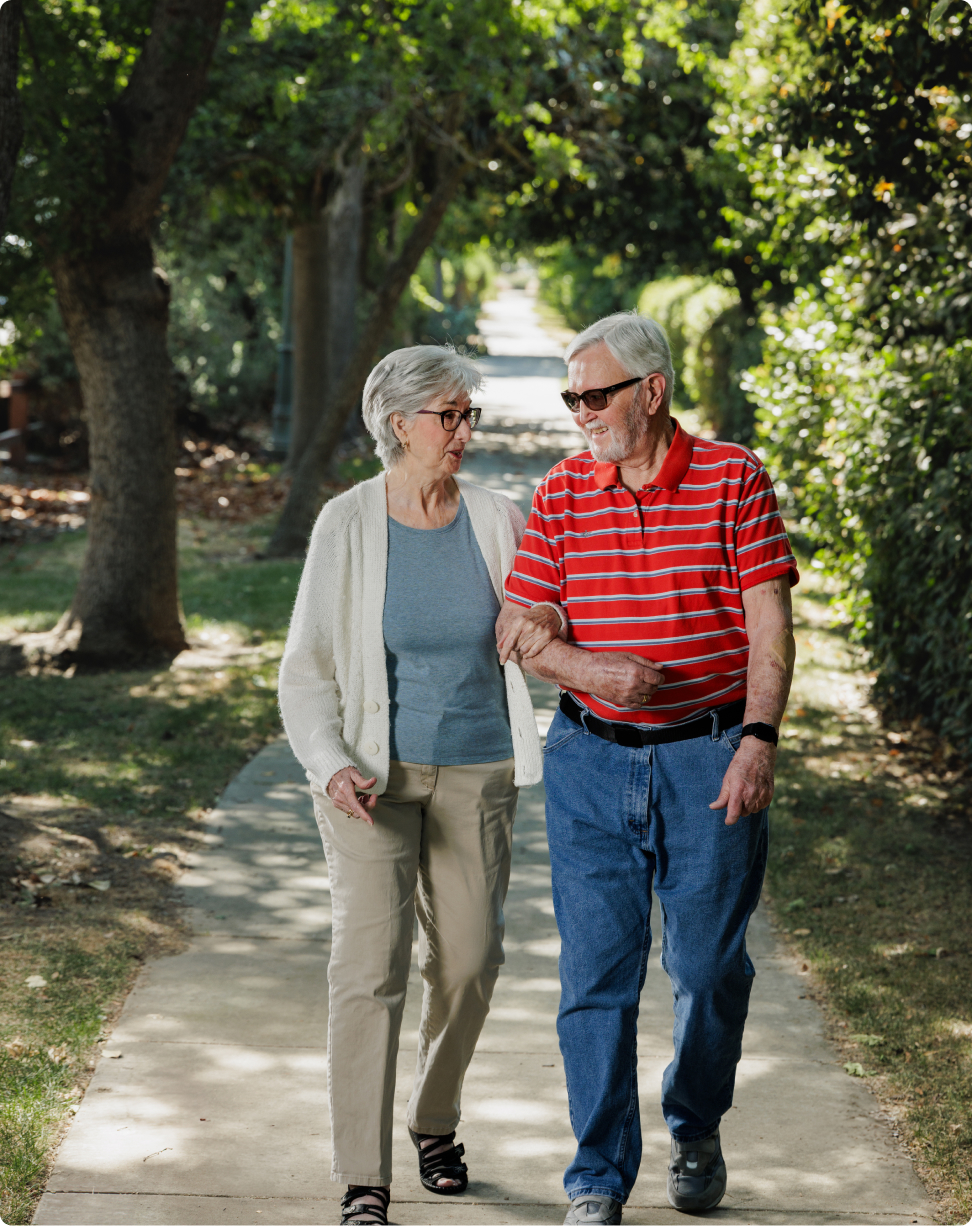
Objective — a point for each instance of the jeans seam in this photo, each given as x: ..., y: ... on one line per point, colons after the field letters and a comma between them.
x: 633, y: 1094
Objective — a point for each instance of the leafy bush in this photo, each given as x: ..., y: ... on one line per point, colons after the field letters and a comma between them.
x: 872, y: 451
x: 585, y: 285
x: 713, y: 340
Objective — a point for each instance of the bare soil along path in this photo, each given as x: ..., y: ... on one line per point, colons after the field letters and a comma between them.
x: 209, y: 1104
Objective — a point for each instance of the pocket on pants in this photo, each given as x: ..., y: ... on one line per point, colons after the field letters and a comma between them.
x: 562, y: 731
x: 732, y: 737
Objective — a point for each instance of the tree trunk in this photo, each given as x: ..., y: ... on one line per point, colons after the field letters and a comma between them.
x: 345, y: 218
x: 310, y: 318
x: 125, y: 610
x: 325, y: 271
x: 11, y: 111
x: 304, y: 499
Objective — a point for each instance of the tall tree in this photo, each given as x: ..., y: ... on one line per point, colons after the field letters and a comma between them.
x: 109, y: 93
x: 11, y: 112
x: 421, y: 95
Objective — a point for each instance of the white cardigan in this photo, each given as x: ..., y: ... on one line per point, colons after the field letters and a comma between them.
x: 333, y: 682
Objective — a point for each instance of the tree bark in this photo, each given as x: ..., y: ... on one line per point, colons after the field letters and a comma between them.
x: 11, y: 110
x: 325, y: 263
x: 304, y: 498
x: 310, y: 319
x: 345, y: 219
x: 114, y: 303
x: 126, y: 606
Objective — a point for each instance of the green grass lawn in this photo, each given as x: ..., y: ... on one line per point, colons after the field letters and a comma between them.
x: 871, y: 852
x: 104, y: 779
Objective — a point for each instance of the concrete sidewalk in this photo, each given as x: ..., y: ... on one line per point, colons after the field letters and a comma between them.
x: 215, y: 1107
x: 215, y: 1111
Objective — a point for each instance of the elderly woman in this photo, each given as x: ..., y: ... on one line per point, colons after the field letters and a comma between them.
x: 415, y: 739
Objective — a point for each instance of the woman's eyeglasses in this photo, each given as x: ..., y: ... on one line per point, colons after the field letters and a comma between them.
x: 452, y: 418
x: 597, y: 398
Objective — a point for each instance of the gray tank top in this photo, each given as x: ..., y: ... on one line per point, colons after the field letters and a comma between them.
x: 445, y: 685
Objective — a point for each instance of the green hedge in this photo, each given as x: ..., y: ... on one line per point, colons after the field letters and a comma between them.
x: 873, y: 455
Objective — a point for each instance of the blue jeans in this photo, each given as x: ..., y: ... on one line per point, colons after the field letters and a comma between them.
x: 616, y: 818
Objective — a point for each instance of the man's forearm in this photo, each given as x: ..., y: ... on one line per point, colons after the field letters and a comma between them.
x: 768, y: 680
x: 561, y: 664
x: 772, y: 653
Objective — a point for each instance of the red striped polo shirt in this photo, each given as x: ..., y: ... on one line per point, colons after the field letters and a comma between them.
x: 661, y: 573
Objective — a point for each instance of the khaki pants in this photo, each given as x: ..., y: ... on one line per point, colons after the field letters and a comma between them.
x: 440, y: 846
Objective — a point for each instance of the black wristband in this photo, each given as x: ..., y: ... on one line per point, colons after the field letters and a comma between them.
x: 762, y: 732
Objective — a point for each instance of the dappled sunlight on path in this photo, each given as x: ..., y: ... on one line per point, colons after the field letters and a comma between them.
x: 210, y: 1105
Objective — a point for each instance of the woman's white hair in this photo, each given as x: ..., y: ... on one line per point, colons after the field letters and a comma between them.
x: 639, y: 344
x: 404, y: 381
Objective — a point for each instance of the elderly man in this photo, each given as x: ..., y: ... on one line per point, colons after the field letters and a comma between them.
x: 669, y: 553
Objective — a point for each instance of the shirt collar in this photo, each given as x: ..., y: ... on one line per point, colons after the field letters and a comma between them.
x: 672, y: 472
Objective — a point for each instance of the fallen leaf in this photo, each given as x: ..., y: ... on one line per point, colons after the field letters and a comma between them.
x: 36, y: 981
x: 801, y: 932
x: 16, y: 1048
x: 113, y: 1055
x: 869, y: 1040
x: 100, y: 885
x: 58, y: 1055
x: 855, y: 1069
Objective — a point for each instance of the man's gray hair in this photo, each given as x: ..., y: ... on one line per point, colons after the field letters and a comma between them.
x: 639, y: 344
x: 404, y: 381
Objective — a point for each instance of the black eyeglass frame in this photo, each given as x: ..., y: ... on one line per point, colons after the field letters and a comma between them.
x: 573, y: 399
x: 471, y: 415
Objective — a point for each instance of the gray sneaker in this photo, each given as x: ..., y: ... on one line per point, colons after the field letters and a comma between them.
x: 696, y: 1175
x: 594, y: 1209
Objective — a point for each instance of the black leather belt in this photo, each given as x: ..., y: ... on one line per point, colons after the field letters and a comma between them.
x: 711, y: 724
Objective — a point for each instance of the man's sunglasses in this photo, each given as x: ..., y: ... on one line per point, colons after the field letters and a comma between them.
x: 597, y: 398
x: 451, y: 418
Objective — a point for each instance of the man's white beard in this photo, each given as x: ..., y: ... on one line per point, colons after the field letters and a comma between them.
x: 623, y: 437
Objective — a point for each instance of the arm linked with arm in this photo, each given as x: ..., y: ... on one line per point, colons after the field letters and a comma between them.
x: 620, y: 677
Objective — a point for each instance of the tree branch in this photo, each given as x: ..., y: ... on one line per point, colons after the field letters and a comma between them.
x: 166, y: 85
x: 303, y: 500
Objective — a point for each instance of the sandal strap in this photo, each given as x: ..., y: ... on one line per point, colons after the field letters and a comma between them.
x: 444, y: 1164
x: 351, y: 1204
x: 441, y: 1164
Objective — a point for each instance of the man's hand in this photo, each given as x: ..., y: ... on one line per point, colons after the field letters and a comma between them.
x: 522, y: 634
x: 748, y: 783
x: 343, y: 791
x: 621, y: 678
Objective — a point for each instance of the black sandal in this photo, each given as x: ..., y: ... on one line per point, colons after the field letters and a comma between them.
x: 351, y: 1206
x: 441, y: 1166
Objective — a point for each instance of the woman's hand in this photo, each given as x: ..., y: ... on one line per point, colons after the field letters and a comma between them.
x: 523, y: 633
x: 343, y: 792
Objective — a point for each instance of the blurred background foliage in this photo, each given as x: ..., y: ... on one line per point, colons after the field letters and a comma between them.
x: 784, y: 184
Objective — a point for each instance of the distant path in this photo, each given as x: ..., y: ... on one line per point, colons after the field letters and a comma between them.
x: 216, y: 1109
x: 526, y: 428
